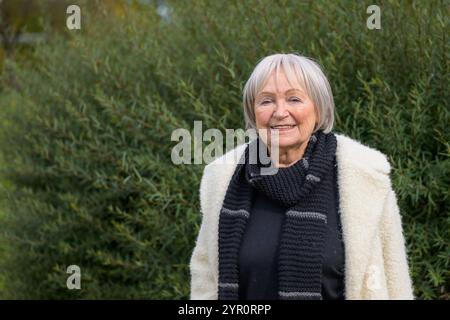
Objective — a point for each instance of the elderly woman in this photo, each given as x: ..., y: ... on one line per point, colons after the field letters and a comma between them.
x: 326, y: 225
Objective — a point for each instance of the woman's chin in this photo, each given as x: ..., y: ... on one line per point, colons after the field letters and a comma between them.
x: 287, y: 142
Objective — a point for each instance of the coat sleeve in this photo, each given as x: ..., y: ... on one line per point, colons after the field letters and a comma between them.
x: 398, y: 278
x: 202, y: 285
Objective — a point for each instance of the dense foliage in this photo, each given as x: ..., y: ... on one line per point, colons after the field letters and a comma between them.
x: 86, y: 173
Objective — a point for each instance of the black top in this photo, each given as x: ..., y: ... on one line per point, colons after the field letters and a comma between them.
x: 258, y: 263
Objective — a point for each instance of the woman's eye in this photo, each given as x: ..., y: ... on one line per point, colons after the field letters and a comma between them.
x: 266, y: 101
x: 295, y: 100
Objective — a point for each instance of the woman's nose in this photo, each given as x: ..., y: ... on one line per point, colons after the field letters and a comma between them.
x: 280, y: 109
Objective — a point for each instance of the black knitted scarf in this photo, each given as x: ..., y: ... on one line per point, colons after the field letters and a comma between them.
x: 304, y: 189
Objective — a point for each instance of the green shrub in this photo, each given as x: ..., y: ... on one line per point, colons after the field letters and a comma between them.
x: 87, y: 127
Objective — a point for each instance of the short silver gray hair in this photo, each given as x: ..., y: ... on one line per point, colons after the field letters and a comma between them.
x: 301, y: 69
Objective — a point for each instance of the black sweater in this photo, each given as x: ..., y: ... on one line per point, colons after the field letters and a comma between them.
x: 258, y: 263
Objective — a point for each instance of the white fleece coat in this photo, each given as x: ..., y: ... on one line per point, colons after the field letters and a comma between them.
x: 376, y: 265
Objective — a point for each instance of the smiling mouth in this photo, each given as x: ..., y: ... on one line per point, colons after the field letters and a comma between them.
x: 283, y: 127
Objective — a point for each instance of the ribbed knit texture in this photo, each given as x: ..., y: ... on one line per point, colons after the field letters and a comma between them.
x: 304, y: 188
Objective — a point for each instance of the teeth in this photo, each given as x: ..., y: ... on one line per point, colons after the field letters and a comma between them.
x: 282, y: 126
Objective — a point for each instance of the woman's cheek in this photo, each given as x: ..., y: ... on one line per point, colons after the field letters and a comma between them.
x: 263, y: 119
x: 304, y: 127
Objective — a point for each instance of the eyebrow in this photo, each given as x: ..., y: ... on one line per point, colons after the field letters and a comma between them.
x: 272, y: 93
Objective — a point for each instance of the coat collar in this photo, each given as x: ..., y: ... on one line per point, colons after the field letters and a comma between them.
x: 363, y: 178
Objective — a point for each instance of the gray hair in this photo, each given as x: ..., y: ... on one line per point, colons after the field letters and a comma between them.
x: 306, y: 72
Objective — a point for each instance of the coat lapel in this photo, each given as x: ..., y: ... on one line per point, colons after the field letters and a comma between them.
x: 363, y: 186
x: 220, y: 172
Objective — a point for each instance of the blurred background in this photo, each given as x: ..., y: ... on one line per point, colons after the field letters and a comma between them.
x: 86, y: 118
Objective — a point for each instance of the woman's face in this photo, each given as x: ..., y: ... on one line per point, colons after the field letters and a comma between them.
x: 281, y: 104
